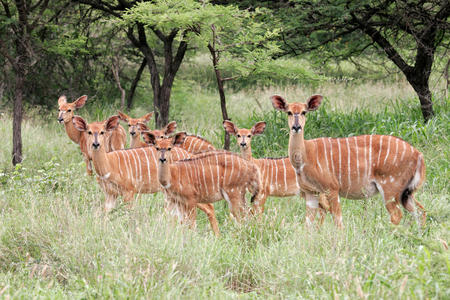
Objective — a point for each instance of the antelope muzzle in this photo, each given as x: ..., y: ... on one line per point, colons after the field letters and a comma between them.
x: 296, y: 127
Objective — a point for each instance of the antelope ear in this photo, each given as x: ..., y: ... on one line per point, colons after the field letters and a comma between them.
x: 258, y: 128
x: 230, y: 127
x: 142, y: 127
x: 123, y: 116
x: 79, y: 123
x: 62, y: 100
x: 170, y: 128
x: 79, y: 103
x: 149, y: 138
x: 279, y: 103
x: 147, y: 117
x: 178, y: 139
x: 112, y: 123
x: 314, y: 102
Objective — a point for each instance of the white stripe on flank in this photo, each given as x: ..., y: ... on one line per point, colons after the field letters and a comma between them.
x: 148, y: 165
x: 325, y: 153
x: 118, y: 163
x: 212, y: 175
x: 284, y: 175
x: 271, y: 175
x: 197, y: 182
x: 217, y: 167
x: 126, y: 164
x: 224, y: 171
x: 232, y: 169
x: 153, y: 151
x: 339, y: 151
x: 190, y: 144
x: 331, y: 156
x: 196, y: 142
x: 135, y: 165
x: 317, y: 156
x: 396, y: 151
x: 357, y: 158
x: 403, y: 153
x: 389, y: 148
x: 139, y: 164
x: 381, y: 148
x: 348, y: 165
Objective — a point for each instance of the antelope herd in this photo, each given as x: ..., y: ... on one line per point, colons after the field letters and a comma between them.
x: 192, y: 173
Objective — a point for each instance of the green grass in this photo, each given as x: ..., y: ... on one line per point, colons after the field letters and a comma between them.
x: 55, y: 241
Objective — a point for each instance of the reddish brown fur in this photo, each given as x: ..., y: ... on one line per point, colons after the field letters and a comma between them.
x: 134, y: 128
x: 205, y: 178
x: 116, y: 139
x: 355, y: 167
x: 192, y: 143
x: 126, y: 172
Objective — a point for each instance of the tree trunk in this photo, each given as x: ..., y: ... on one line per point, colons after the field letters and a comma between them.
x: 223, y: 103
x: 135, y: 83
x: 426, y: 103
x: 17, y: 117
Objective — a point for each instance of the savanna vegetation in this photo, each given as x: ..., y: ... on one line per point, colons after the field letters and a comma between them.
x: 198, y: 63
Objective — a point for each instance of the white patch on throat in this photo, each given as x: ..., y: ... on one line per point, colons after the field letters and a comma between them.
x: 106, y: 176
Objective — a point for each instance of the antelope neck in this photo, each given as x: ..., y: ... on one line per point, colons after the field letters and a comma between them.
x: 164, y: 174
x: 135, y: 140
x: 297, y: 150
x: 247, y: 153
x: 72, y: 132
x: 101, y: 162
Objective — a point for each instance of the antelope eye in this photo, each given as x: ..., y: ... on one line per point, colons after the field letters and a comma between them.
x: 102, y: 132
x: 69, y: 110
x: 168, y: 149
x: 289, y: 113
x: 129, y: 124
x: 161, y: 137
x: 157, y: 148
x: 238, y: 135
x: 59, y: 110
x: 89, y: 132
x: 303, y: 112
x: 249, y: 136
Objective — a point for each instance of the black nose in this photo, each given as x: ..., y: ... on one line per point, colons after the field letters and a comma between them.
x: 60, y: 120
x: 296, y: 128
x: 133, y: 133
x: 243, y: 144
x: 162, y: 159
x: 95, y: 145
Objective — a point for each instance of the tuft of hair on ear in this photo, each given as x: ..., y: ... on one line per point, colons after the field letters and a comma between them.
x: 79, y: 103
x: 149, y: 138
x: 62, y: 100
x: 314, y: 102
x: 258, y: 128
x: 79, y: 123
x: 142, y: 127
x: 230, y: 127
x: 178, y: 139
x: 279, y: 103
x: 112, y: 123
x: 147, y: 117
x: 170, y: 128
x: 123, y: 116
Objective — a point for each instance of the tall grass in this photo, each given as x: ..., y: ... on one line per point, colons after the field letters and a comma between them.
x: 55, y: 241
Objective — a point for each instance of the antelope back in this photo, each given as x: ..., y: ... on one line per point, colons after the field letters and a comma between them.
x: 195, y: 144
x: 355, y: 163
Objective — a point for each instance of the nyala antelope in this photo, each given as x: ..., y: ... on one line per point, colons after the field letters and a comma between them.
x: 130, y: 171
x: 278, y: 177
x: 115, y: 140
x: 355, y: 167
x: 205, y: 178
x: 192, y: 143
x: 133, y: 128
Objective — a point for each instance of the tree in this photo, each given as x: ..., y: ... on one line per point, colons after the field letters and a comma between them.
x: 22, y: 33
x: 157, y: 28
x: 407, y: 32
